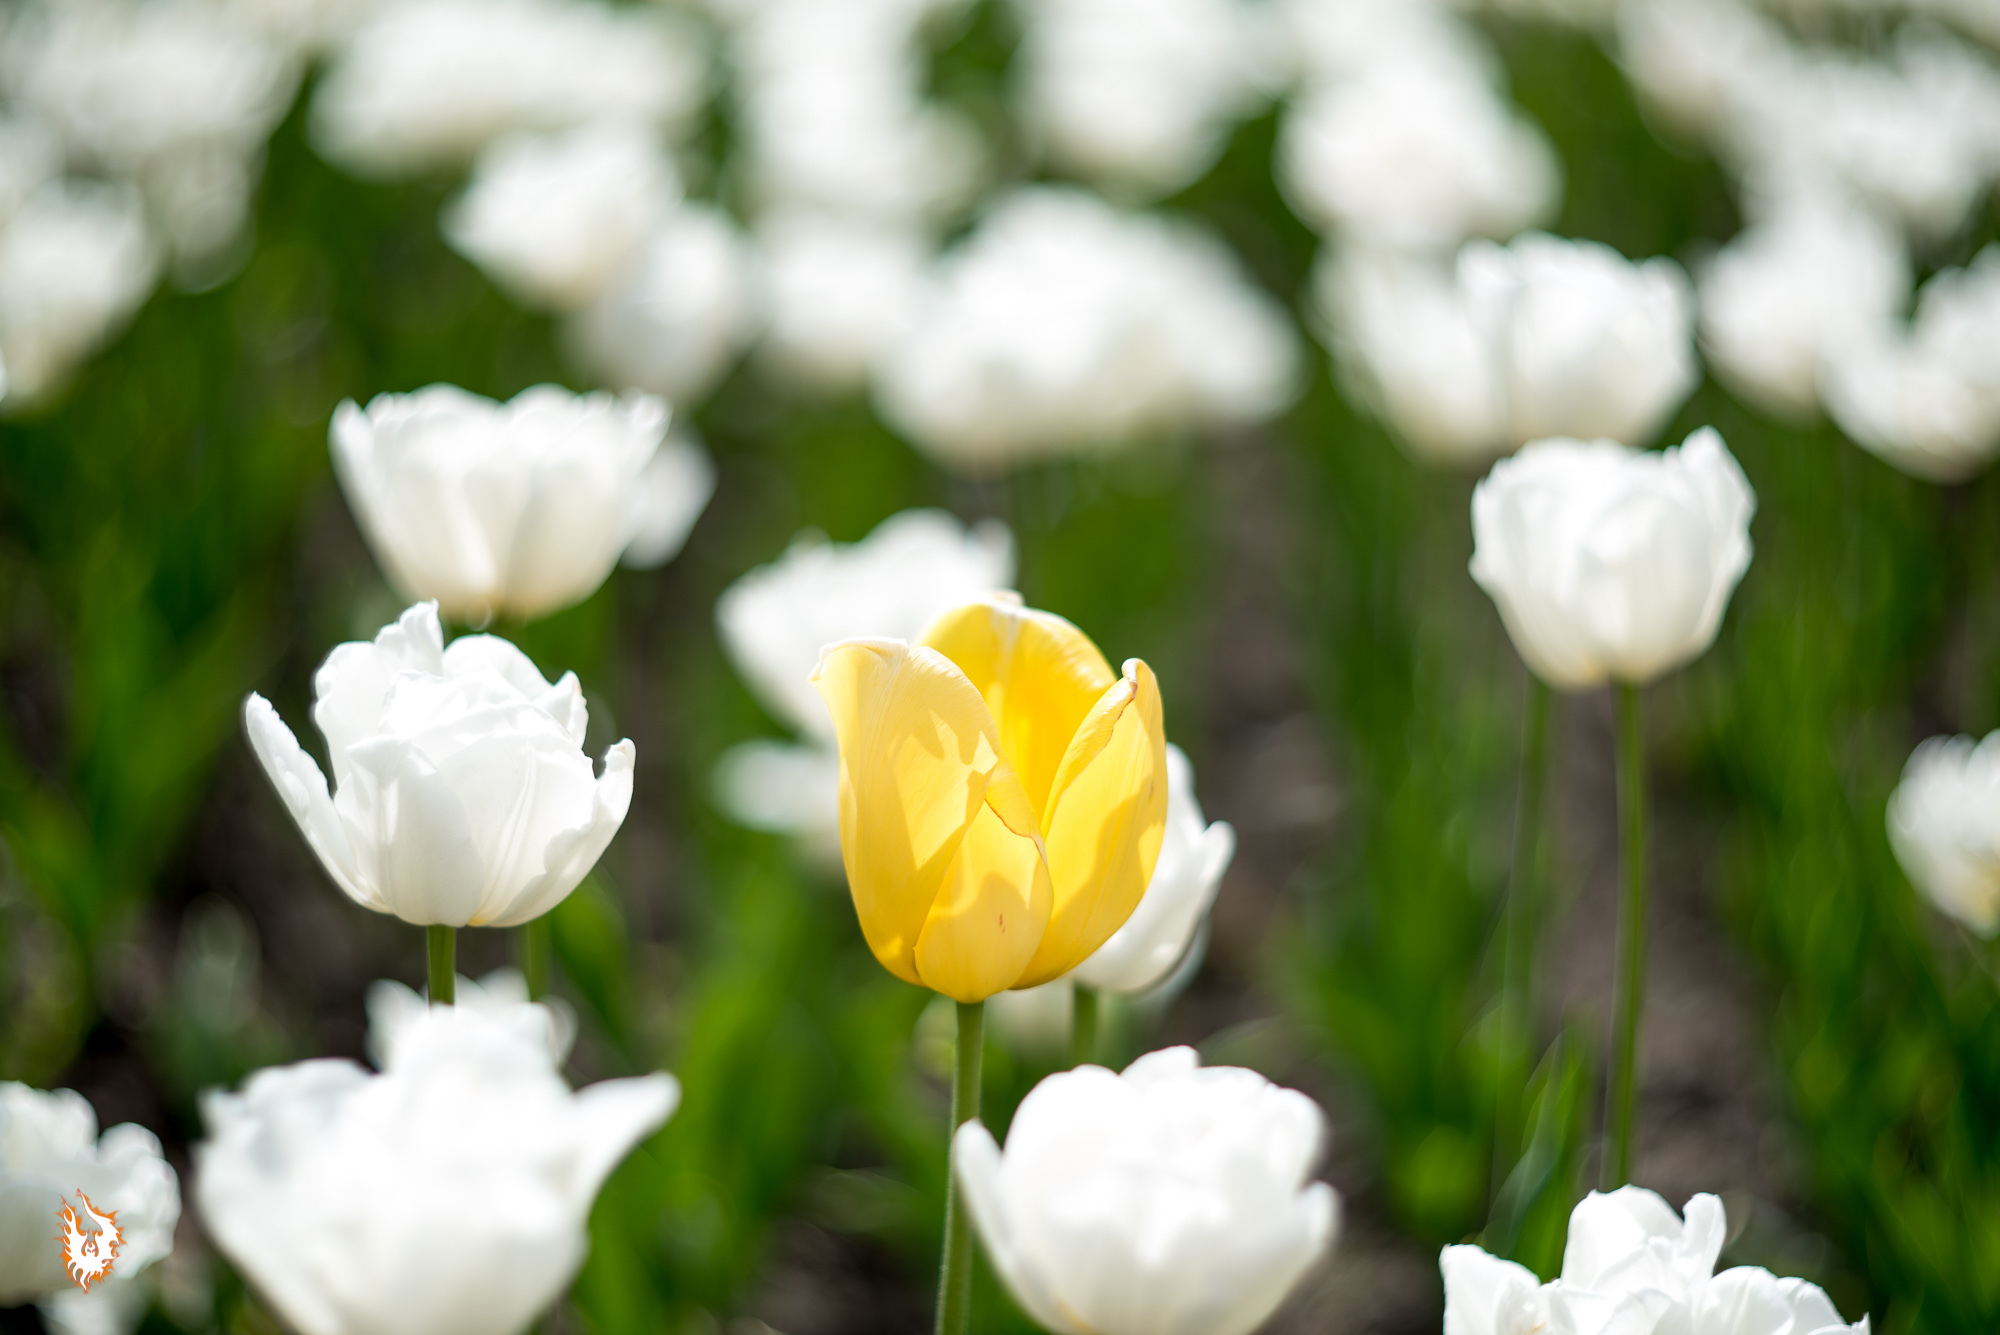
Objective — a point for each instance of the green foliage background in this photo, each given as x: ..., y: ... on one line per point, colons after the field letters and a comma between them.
x: 170, y: 539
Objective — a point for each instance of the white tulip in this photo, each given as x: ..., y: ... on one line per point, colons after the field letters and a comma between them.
x: 1609, y: 563
x: 394, y: 1011
x: 462, y: 794
x: 1063, y: 326
x: 75, y: 262
x: 446, y: 1196
x: 1634, y: 1267
x: 1170, y: 1200
x: 516, y: 509
x: 553, y: 218
x: 429, y: 83
x: 1944, y: 823
x: 1193, y: 856
x: 842, y: 292
x: 673, y: 321
x: 49, y: 1151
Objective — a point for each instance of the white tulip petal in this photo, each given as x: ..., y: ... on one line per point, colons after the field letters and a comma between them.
x: 665, y: 501
x: 417, y: 833
x: 302, y: 785
x: 976, y: 1159
x: 570, y: 854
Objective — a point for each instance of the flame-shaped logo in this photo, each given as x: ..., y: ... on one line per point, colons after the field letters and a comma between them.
x: 88, y: 1256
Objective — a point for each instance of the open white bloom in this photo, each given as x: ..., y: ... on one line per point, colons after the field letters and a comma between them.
x: 1142, y: 92
x: 553, y: 217
x: 428, y: 83
x: 75, y: 263
x: 49, y: 1151
x: 1157, y: 937
x: 395, y: 1012
x: 1413, y: 153
x: 462, y: 795
x: 1062, y: 326
x: 1944, y: 823
x: 775, y: 620
x: 673, y: 321
x: 1787, y: 293
x: 516, y: 509
x: 1632, y: 1266
x: 1926, y: 397
x: 445, y: 1196
x: 1169, y: 1200
x: 1609, y: 563
x: 1543, y: 337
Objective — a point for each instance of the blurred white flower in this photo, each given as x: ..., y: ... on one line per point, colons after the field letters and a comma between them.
x: 1415, y: 154
x: 516, y: 509
x: 553, y: 217
x: 1062, y: 325
x: 428, y: 83
x: 175, y: 96
x: 674, y: 321
x: 1171, y: 1198
x: 1631, y: 1265
x: 445, y: 1196
x: 1944, y: 823
x: 1540, y: 338
x: 1193, y: 856
x: 842, y: 292
x: 1140, y: 92
x: 49, y: 1151
x: 1608, y: 563
x: 395, y: 1010
x: 29, y: 158
x: 1926, y: 397
x: 75, y: 263
x: 775, y: 619
x: 462, y: 795
x: 1322, y: 40
x: 1789, y: 292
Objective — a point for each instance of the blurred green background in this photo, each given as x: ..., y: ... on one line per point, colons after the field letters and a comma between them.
x: 170, y: 538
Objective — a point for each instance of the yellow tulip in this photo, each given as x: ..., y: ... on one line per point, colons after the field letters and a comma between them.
x: 1003, y: 795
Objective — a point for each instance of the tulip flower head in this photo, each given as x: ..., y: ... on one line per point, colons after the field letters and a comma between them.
x: 1003, y: 795
x: 1944, y: 823
x: 515, y: 509
x: 445, y: 1196
x: 1612, y: 564
x: 1632, y: 1264
x: 1170, y: 1200
x: 462, y: 794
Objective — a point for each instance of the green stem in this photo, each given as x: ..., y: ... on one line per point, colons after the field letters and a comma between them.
x: 444, y: 964
x: 1617, y: 1168
x: 954, y: 1309
x: 1521, y: 932
x: 537, y: 951
x: 1083, y: 1026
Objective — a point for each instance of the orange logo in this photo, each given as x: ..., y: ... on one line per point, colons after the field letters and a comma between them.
x: 88, y: 1256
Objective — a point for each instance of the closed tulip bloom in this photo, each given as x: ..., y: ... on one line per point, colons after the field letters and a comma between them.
x: 1170, y: 1200
x: 445, y: 1196
x: 1944, y: 823
x: 462, y: 795
x: 1612, y: 564
x: 516, y: 509
x: 1003, y: 795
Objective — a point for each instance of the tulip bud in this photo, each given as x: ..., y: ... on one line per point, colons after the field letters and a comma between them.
x: 49, y: 1151
x: 516, y: 509
x: 448, y: 1193
x: 1168, y: 1198
x: 1002, y: 795
x: 1608, y: 563
x: 1944, y: 823
x: 462, y: 794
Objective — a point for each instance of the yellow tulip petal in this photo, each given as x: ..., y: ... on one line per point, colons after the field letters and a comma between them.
x: 1106, y: 818
x: 988, y: 919
x: 1040, y: 677
x: 918, y: 755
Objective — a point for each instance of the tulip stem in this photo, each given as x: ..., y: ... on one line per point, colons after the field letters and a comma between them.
x: 1617, y: 1168
x: 536, y: 950
x: 1083, y: 1026
x: 954, y: 1309
x: 444, y: 963
x: 1521, y: 933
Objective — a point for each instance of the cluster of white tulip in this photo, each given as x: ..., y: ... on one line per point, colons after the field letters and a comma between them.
x: 1632, y: 1265
x: 1844, y: 159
